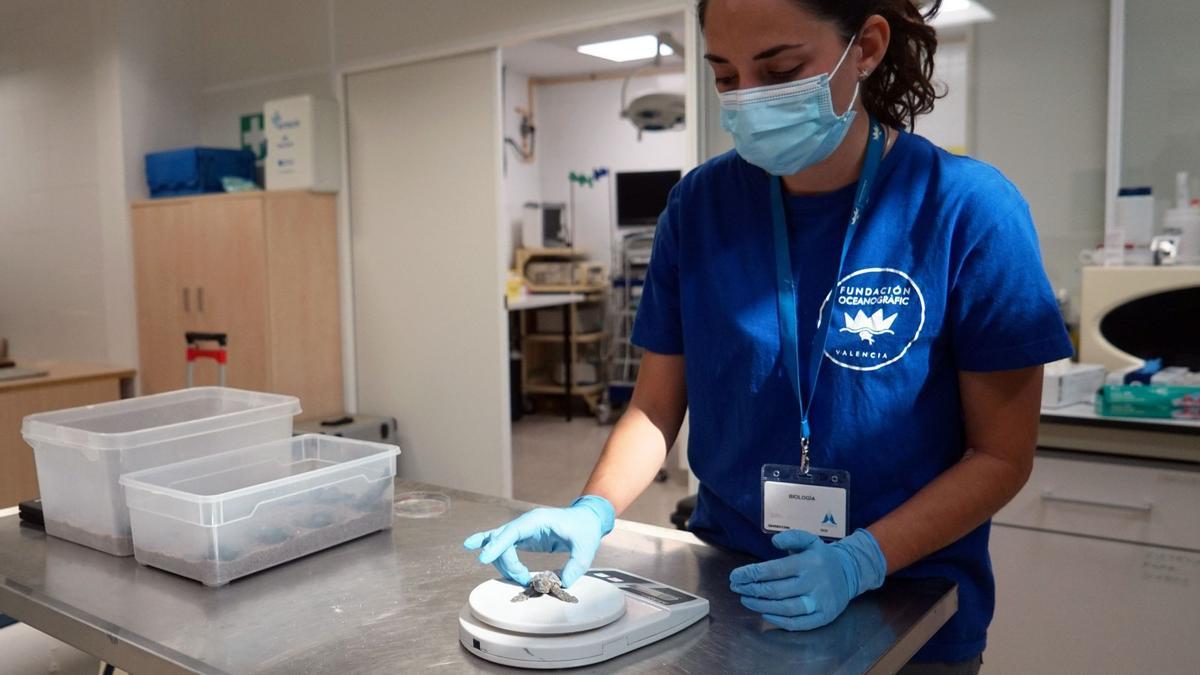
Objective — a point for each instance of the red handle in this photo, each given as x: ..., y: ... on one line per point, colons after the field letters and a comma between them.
x: 218, y: 355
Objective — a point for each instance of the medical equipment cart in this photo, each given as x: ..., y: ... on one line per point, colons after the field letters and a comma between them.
x: 631, y: 258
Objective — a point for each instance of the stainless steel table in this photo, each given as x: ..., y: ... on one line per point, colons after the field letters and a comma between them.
x: 389, y: 603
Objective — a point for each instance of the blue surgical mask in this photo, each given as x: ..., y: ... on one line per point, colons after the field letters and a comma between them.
x: 786, y: 128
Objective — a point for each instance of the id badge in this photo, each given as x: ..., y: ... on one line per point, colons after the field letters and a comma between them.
x: 813, y: 501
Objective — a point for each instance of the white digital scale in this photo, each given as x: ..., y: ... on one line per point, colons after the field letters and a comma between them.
x: 616, y: 612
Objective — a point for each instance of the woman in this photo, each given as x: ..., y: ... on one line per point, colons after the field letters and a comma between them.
x: 838, y: 303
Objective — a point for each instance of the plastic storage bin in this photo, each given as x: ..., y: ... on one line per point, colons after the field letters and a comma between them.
x: 190, y: 171
x: 81, y: 452
x: 224, y: 516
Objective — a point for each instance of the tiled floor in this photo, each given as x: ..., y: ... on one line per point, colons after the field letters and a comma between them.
x: 552, y: 459
x: 25, y: 651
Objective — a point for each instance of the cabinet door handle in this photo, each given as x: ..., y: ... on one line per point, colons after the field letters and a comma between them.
x: 1144, y: 508
x: 200, y: 299
x: 187, y: 304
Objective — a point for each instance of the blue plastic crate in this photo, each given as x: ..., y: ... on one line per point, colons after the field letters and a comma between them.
x: 190, y: 171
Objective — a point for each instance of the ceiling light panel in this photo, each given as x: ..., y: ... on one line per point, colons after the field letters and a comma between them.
x: 626, y: 49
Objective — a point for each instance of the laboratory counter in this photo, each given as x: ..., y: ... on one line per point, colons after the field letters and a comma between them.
x: 1079, y: 428
x: 389, y: 603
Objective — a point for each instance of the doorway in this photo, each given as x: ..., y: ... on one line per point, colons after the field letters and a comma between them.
x: 574, y: 155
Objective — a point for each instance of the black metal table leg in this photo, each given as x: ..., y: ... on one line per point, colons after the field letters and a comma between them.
x: 516, y: 379
x: 566, y: 319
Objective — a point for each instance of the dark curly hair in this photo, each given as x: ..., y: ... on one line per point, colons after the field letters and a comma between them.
x: 901, y: 88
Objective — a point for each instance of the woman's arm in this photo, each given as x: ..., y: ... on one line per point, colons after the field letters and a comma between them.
x: 645, y: 433
x: 634, y: 452
x: 1000, y: 414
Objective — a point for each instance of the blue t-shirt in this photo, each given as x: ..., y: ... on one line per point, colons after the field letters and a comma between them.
x: 944, y: 275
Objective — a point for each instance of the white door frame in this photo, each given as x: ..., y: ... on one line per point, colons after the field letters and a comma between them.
x: 342, y: 73
x: 1116, y: 108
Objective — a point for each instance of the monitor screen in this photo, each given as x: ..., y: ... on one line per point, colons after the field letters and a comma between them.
x: 642, y: 196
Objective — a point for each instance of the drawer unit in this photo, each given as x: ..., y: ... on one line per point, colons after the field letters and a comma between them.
x: 1075, y: 605
x: 1135, y: 501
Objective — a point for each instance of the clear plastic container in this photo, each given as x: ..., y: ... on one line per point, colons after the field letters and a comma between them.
x: 222, y: 517
x: 82, y: 452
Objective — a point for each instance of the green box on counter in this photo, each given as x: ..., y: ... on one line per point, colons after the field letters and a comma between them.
x: 1151, y: 401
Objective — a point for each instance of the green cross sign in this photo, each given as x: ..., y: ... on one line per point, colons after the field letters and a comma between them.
x: 254, y: 138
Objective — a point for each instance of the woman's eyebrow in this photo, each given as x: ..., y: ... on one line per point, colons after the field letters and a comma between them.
x: 766, y: 54
x: 775, y: 51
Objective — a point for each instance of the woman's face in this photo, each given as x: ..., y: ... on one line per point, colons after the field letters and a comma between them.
x: 753, y: 43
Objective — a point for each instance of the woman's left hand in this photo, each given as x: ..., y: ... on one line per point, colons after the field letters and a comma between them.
x: 813, y: 585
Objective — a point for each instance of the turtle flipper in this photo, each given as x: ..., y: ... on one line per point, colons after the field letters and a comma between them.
x: 525, y: 595
x: 561, y: 594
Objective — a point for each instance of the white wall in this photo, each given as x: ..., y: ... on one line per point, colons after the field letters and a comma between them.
x: 947, y: 125
x: 522, y: 180
x: 51, y: 280
x: 1161, y: 134
x: 86, y: 89
x: 580, y: 129
x: 1041, y: 117
x: 256, y: 51
x: 158, y: 75
x: 160, y: 63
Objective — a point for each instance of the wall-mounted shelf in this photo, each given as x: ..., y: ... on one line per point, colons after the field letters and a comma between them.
x: 548, y: 288
x: 548, y: 387
x: 577, y: 338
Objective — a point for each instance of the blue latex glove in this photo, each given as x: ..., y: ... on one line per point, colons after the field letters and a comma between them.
x: 812, y: 586
x: 576, y: 529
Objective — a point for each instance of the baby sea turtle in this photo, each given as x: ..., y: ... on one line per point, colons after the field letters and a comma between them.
x: 545, y: 583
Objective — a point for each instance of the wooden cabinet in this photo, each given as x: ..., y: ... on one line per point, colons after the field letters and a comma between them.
x: 261, y: 267
x: 65, y: 385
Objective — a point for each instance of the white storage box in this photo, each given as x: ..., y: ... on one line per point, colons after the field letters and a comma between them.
x: 81, y: 452
x: 1067, y: 384
x: 221, y: 517
x: 303, y: 152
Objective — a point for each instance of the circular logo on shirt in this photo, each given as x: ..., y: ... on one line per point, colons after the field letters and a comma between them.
x: 877, y: 314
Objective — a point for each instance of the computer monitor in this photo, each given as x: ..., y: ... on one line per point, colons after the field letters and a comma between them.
x: 642, y: 196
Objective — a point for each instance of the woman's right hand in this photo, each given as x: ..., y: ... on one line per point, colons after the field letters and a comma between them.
x: 576, y: 529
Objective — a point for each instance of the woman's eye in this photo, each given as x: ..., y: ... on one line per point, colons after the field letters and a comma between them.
x: 725, y: 81
x: 780, y: 74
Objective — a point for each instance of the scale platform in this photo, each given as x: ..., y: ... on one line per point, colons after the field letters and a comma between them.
x: 617, y: 613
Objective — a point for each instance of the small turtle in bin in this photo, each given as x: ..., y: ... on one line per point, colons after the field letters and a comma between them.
x: 316, y: 520
x: 329, y: 495
x: 223, y: 553
x: 545, y: 583
x: 372, y: 498
x: 271, y: 536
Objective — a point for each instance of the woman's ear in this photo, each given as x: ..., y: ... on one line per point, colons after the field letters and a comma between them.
x: 873, y: 41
